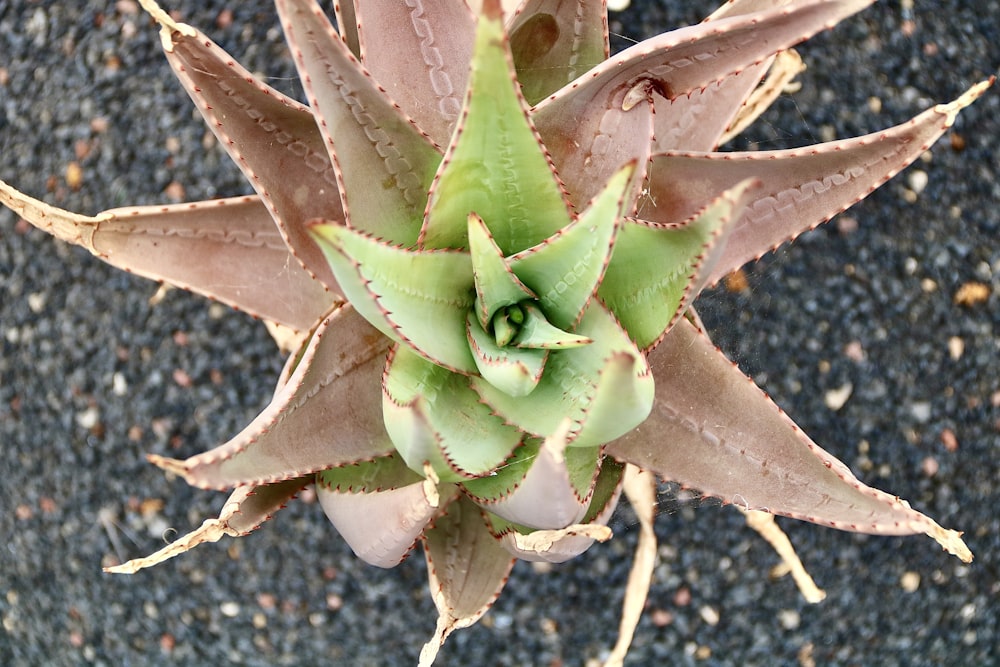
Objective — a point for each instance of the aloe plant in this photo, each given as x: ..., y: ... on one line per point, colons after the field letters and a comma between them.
x: 488, y: 235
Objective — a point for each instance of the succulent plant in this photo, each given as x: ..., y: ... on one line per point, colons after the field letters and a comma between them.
x: 480, y: 243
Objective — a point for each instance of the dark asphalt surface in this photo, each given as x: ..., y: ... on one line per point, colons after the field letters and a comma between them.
x: 93, y: 377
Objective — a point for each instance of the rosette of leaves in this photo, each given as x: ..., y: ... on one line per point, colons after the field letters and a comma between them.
x: 480, y: 242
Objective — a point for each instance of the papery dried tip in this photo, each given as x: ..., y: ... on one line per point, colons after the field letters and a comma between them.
x: 431, y: 482
x: 951, y: 541
x: 168, y: 25
x: 175, y: 466
x: 951, y: 109
x: 211, y: 530
x: 541, y: 541
x: 60, y: 223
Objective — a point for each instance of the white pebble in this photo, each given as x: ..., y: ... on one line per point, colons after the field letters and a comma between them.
x: 836, y: 398
x: 230, y: 609
x: 917, y: 180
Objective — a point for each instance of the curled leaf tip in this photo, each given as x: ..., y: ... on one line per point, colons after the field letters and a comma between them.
x: 951, y: 109
x: 211, y: 530
x: 167, y: 24
x: 430, y: 483
x: 540, y: 541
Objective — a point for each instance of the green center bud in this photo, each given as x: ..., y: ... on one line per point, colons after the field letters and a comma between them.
x: 506, y: 324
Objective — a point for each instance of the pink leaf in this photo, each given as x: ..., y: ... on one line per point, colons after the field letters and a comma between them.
x: 252, y: 121
x: 327, y: 414
x: 712, y: 429
x: 429, y: 82
x: 800, y: 188
x: 467, y: 568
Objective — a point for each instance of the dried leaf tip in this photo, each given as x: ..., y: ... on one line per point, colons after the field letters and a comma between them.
x: 167, y: 24
x: 211, y: 530
x: 174, y: 466
x: 65, y: 225
x: 950, y: 110
x: 541, y: 541
x: 951, y: 541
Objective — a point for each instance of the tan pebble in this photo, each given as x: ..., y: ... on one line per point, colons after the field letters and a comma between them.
x: 74, y: 175
x: 737, y: 281
x: 910, y: 581
x: 972, y: 293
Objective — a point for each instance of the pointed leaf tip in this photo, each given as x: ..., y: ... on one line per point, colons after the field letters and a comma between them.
x: 951, y: 109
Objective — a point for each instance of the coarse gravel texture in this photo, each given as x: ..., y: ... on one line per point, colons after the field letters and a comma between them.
x: 93, y: 377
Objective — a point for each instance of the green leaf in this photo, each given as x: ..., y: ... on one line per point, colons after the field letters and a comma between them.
x: 419, y: 298
x: 656, y: 268
x: 381, y: 474
x: 512, y: 370
x: 432, y: 415
x: 495, y: 166
x: 536, y: 332
x: 566, y: 268
x: 605, y: 488
x: 505, y: 479
x: 571, y: 382
x: 496, y: 284
x: 583, y: 465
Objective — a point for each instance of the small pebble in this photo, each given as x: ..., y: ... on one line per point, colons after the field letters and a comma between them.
x: 949, y: 440
x: 910, y: 581
x: 74, y: 175
x: 854, y: 351
x: 230, y: 609
x: 956, y: 347
x: 789, y: 619
x: 836, y: 398
x: 737, y: 281
x: 921, y: 411
x: 930, y: 466
x: 917, y: 180
x: 710, y: 615
x: 972, y: 293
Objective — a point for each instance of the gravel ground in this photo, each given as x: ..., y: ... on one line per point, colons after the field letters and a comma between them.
x: 93, y: 377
